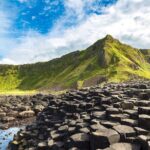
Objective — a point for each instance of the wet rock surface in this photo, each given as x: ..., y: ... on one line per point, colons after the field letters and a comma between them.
x: 16, y: 110
x: 112, y: 117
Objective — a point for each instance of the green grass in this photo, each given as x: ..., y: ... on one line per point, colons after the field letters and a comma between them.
x: 18, y: 92
x: 107, y: 57
x: 33, y: 92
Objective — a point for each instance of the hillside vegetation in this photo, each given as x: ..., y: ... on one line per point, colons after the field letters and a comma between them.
x: 106, y: 60
x: 146, y: 53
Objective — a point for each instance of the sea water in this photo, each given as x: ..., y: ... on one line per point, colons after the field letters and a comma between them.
x: 6, y: 136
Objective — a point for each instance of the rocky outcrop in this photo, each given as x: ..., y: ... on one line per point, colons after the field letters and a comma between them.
x: 17, y: 109
x: 114, y: 117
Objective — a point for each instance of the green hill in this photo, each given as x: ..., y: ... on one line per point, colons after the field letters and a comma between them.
x: 106, y: 60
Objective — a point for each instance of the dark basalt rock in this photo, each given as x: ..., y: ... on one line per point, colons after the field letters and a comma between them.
x: 103, y: 138
x: 125, y: 131
x: 80, y: 140
x: 144, y: 121
x: 112, y: 117
x: 126, y: 146
x: 18, y: 109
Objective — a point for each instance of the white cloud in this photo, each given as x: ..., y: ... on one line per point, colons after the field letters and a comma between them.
x: 76, y: 5
x: 6, y: 41
x: 7, y: 61
x: 127, y: 20
x: 33, y: 17
x: 22, y: 1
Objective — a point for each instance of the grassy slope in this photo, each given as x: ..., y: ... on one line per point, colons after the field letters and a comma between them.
x: 107, y: 57
x: 128, y: 61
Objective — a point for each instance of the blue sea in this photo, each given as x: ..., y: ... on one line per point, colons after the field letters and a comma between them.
x: 6, y: 136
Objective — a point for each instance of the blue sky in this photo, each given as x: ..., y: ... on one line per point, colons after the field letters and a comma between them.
x: 38, y: 15
x: 40, y: 30
x: 41, y: 15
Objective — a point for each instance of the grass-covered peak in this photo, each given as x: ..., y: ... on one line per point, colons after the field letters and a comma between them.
x: 109, y: 37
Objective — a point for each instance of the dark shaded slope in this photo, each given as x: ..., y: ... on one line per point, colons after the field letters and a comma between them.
x: 146, y: 53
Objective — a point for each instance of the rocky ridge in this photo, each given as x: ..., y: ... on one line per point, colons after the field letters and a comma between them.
x: 114, y: 117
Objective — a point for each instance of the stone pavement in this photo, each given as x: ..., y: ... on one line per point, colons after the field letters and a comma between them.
x: 114, y: 117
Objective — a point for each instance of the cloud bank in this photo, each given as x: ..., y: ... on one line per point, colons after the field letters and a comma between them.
x: 126, y: 20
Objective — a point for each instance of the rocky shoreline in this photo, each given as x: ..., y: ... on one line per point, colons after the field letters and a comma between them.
x: 21, y: 110
x: 114, y: 117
